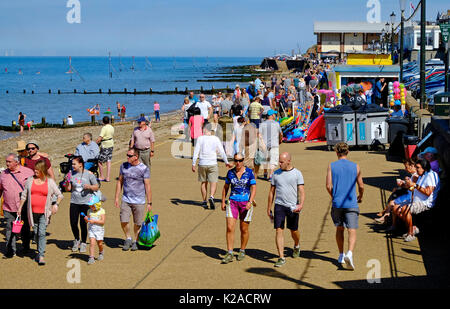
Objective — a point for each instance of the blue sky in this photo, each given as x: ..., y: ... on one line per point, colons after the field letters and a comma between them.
x: 177, y: 27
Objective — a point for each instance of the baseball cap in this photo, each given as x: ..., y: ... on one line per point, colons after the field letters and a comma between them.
x: 32, y: 142
x: 271, y: 112
x: 429, y: 150
x: 141, y: 119
x: 94, y: 200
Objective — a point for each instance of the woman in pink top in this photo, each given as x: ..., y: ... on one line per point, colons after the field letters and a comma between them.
x: 156, y: 109
x: 196, y: 125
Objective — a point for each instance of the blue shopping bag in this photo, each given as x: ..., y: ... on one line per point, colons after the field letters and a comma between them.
x: 149, y: 232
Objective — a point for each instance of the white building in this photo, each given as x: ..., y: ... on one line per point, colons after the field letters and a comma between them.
x: 412, y: 40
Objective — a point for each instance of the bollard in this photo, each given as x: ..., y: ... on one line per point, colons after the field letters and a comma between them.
x: 93, y: 119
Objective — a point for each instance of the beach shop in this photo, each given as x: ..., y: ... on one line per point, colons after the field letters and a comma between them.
x: 366, y: 75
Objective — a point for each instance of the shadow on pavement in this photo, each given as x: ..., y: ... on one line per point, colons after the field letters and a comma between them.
x: 318, y: 147
x: 212, y: 252
x: 386, y: 182
x: 414, y: 282
x: 271, y: 272
x: 177, y: 201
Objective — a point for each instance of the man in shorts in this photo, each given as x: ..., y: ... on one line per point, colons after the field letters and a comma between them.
x: 243, y: 190
x: 342, y: 178
x: 106, y: 142
x: 134, y: 178
x: 272, y: 135
x: 287, y: 186
x: 208, y: 171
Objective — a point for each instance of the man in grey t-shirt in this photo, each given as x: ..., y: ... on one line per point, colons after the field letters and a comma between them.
x: 225, y: 105
x: 272, y: 135
x: 134, y: 177
x: 287, y: 186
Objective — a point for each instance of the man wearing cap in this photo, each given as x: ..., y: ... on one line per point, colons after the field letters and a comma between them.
x: 398, y: 110
x: 143, y: 140
x: 34, y: 156
x: 12, y: 182
x: 106, y: 142
x: 272, y: 135
x: 429, y: 154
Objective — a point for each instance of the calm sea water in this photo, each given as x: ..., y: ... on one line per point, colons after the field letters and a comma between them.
x: 41, y: 74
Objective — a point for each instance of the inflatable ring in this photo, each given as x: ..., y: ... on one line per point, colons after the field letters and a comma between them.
x: 286, y: 121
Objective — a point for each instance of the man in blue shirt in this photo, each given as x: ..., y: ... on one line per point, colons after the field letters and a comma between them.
x: 398, y: 110
x: 243, y: 190
x: 87, y: 150
x: 379, y: 88
x: 342, y: 178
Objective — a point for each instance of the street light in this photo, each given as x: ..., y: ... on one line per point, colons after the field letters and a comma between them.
x: 392, y: 35
x: 382, y: 39
x: 402, y: 34
x: 387, y: 29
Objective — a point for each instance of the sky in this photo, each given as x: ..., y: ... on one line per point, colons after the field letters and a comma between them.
x: 247, y: 28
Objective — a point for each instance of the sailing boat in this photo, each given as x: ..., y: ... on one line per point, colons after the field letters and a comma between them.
x: 72, y: 70
x: 148, y: 63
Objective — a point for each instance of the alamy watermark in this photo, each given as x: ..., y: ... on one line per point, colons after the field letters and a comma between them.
x: 74, y: 274
x: 374, y: 13
x: 374, y: 274
x: 74, y: 14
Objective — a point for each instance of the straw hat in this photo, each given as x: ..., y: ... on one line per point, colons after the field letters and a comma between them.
x: 21, y: 145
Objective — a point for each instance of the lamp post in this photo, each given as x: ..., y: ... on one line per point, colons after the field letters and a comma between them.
x: 387, y: 30
x: 392, y: 35
x: 402, y: 34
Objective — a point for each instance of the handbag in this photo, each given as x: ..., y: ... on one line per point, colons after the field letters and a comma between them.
x: 17, y: 225
x: 149, y: 232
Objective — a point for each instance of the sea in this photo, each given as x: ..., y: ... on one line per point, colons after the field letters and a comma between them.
x: 39, y: 75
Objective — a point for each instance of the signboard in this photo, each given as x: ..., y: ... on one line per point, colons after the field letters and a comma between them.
x: 445, y: 31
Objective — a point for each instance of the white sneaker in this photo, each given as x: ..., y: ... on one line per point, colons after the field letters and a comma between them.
x: 75, y: 245
x: 349, y: 262
x: 416, y: 231
x: 341, y: 258
x: 83, y: 247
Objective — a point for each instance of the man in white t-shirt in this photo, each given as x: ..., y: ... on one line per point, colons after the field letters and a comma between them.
x: 272, y: 135
x: 208, y: 171
x: 205, y: 108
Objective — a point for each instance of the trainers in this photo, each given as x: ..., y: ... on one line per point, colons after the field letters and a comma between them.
x: 416, y: 231
x: 134, y: 246
x: 75, y: 245
x: 91, y: 260
x: 228, y: 258
x: 409, y: 238
x: 349, y: 262
x: 341, y: 258
x: 241, y: 255
x: 296, y: 252
x: 100, y: 257
x: 126, y: 245
x: 205, y: 205
x: 83, y: 247
x: 211, y: 203
x: 41, y: 261
x: 280, y: 262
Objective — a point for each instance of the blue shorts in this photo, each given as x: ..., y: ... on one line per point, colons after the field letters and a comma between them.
x: 404, y: 199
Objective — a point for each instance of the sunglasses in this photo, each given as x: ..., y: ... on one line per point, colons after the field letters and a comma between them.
x: 130, y: 156
x: 31, y: 148
x: 241, y: 160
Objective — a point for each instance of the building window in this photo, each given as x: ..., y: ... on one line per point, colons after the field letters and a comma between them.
x: 429, y: 39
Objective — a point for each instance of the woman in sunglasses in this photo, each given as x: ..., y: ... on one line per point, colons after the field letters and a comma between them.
x: 243, y: 190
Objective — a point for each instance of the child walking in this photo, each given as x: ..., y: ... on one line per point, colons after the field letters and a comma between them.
x: 96, y: 229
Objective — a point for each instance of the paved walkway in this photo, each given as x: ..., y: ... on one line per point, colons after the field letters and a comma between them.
x: 192, y: 242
